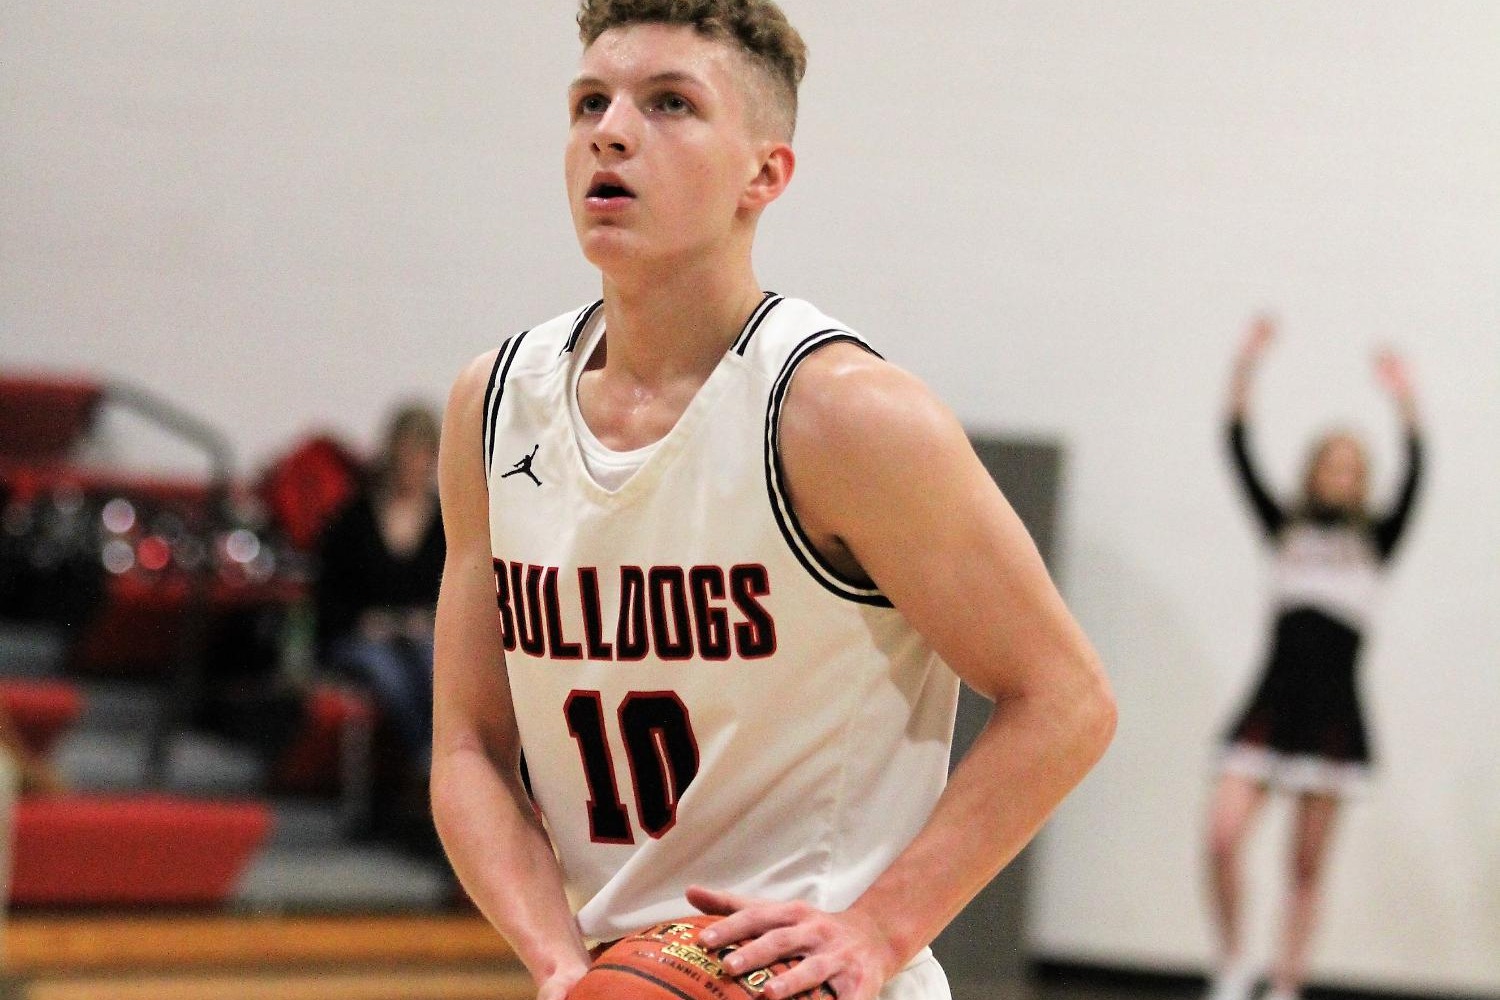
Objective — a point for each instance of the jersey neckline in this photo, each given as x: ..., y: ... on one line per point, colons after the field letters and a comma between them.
x: 593, y: 452
x: 659, y: 452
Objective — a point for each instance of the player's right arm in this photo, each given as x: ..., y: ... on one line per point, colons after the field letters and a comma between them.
x: 492, y: 835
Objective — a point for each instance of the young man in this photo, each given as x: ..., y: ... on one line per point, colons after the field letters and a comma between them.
x: 731, y: 622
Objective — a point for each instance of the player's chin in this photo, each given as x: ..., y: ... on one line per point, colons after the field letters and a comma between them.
x: 607, y: 246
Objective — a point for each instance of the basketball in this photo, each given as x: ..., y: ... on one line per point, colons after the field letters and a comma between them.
x: 665, y: 962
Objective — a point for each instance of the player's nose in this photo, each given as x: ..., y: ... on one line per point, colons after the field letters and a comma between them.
x: 618, y: 130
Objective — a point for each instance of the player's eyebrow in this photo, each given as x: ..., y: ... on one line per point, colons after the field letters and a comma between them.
x: 656, y: 79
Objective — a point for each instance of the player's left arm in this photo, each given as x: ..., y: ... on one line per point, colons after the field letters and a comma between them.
x: 884, y: 480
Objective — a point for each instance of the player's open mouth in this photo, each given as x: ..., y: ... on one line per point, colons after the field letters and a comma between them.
x: 607, y: 188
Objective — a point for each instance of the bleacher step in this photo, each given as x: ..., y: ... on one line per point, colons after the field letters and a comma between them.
x: 310, y: 823
x: 104, y: 760
x: 119, y: 705
x: 348, y: 878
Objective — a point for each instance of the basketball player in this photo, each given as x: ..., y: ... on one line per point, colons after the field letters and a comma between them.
x: 740, y: 563
x: 1303, y: 731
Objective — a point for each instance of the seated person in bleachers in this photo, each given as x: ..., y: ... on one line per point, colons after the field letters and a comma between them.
x: 381, y: 559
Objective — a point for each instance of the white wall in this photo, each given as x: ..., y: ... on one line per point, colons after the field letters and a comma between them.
x: 285, y: 214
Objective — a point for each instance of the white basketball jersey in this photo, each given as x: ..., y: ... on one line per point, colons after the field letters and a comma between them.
x: 701, y: 698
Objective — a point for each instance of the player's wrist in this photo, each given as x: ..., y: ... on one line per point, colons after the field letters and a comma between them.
x: 892, y: 946
x: 551, y: 948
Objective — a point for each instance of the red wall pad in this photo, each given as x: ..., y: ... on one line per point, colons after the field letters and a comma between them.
x: 138, y: 850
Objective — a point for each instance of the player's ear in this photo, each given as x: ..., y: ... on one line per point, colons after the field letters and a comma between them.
x: 777, y: 164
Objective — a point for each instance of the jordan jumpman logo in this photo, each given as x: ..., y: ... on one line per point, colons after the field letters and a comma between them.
x: 523, y: 467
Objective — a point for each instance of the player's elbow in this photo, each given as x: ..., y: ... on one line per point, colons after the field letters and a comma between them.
x: 1104, y: 718
x: 1070, y: 701
x: 1095, y: 714
x: 1063, y: 700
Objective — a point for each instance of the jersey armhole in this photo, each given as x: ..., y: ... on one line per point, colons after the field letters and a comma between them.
x: 492, y: 393
x: 792, y: 531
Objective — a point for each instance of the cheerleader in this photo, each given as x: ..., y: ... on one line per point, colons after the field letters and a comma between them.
x: 1303, y: 732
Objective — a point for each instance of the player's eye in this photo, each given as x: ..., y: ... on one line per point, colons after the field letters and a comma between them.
x: 591, y: 104
x: 672, y: 104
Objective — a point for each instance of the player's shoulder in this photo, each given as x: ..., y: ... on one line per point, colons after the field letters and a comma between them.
x: 843, y: 395
x: 469, y: 386
x: 851, y: 431
x: 842, y: 398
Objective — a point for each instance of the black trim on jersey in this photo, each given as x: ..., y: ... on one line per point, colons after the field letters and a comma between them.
x: 496, y: 389
x: 786, y: 518
x: 769, y: 302
x: 578, y: 325
x: 486, y: 445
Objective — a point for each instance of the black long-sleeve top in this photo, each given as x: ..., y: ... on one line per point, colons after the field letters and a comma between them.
x: 358, y: 572
x: 1385, y: 531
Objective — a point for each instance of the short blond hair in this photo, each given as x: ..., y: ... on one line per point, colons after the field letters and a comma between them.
x: 756, y: 28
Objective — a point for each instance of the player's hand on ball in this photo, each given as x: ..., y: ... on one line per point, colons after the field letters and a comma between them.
x: 845, y: 950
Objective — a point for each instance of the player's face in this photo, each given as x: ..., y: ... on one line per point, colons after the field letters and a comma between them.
x: 660, y: 152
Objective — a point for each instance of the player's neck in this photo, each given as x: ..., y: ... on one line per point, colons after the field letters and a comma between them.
x: 680, y: 322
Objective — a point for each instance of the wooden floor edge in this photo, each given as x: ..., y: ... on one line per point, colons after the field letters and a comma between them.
x: 79, y: 945
x: 425, y: 984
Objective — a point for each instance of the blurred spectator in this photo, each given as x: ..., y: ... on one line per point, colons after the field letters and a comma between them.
x: 381, y: 559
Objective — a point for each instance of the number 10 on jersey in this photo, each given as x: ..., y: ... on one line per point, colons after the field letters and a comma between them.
x: 660, y: 750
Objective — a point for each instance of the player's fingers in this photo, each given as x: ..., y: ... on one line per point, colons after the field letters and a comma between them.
x: 733, y: 927
x: 743, y: 917
x: 803, y: 979
x: 771, y: 946
x: 737, y: 928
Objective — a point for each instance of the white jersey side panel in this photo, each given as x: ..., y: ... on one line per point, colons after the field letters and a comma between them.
x: 700, y: 699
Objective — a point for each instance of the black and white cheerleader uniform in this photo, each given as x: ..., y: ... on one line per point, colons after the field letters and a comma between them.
x: 1303, y: 729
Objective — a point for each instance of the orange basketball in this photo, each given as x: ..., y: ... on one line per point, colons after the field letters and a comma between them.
x: 666, y: 962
